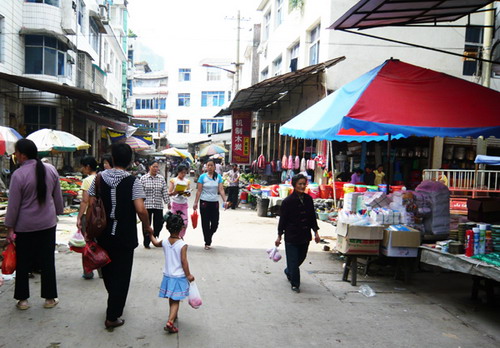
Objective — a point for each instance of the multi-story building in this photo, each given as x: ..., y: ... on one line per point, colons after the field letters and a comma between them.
x: 196, y: 94
x: 148, y: 99
x: 294, y: 35
x: 76, y: 43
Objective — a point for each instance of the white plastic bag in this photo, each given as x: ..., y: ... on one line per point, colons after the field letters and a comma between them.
x: 77, y: 240
x: 194, y: 297
x: 274, y: 254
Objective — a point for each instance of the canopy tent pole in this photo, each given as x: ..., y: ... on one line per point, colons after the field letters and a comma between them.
x: 256, y: 143
x: 333, y: 176
x: 262, y: 139
x: 279, y: 144
x: 269, y: 142
x: 291, y: 146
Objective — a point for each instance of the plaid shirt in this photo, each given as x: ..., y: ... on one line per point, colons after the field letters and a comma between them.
x: 156, y: 191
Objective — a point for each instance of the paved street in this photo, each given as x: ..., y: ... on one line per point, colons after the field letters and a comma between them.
x: 247, y: 302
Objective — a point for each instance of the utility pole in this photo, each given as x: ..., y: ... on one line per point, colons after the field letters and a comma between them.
x: 489, y: 22
x: 237, y: 63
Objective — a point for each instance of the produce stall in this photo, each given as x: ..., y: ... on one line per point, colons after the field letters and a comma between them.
x: 70, y: 187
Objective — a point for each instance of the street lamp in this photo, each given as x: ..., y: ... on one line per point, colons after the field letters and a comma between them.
x: 218, y: 67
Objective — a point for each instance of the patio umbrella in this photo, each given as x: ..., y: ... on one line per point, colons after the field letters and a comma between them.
x: 8, y: 138
x: 136, y: 144
x: 212, y: 150
x: 400, y: 98
x: 51, y: 140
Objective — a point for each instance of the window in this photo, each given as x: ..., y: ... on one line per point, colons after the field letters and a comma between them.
x: 279, y: 12
x: 2, y: 22
x: 151, y: 104
x: 80, y: 14
x: 213, y: 74
x: 314, y: 47
x: 184, y: 74
x: 277, y: 66
x: 212, y: 98
x: 294, y: 56
x: 264, y: 74
x: 154, y: 125
x: 48, y: 2
x: 472, y: 49
x: 184, y: 99
x: 130, y: 88
x: 37, y: 117
x: 267, y: 23
x: 182, y: 126
x: 211, y: 126
x: 94, y: 34
x: 44, y: 55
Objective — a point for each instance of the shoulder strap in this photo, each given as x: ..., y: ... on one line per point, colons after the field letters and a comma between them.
x: 98, y: 185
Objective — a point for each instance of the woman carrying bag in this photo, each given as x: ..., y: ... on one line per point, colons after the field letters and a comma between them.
x: 209, y: 187
x: 35, y: 200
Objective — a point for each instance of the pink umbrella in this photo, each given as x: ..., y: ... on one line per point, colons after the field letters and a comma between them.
x: 136, y: 144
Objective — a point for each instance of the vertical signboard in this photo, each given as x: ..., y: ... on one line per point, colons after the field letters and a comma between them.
x: 241, y: 136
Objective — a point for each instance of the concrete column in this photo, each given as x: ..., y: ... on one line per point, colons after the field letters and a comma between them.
x: 481, y: 146
x: 437, y: 153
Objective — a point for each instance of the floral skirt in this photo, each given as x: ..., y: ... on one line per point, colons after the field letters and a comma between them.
x: 174, y: 288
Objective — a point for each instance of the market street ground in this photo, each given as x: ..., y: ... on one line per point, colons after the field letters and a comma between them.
x: 247, y: 301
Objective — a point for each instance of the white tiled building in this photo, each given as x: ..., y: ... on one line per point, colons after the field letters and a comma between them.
x: 299, y: 36
x: 196, y: 94
x: 79, y: 43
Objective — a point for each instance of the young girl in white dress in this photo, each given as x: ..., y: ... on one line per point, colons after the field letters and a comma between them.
x: 176, y: 275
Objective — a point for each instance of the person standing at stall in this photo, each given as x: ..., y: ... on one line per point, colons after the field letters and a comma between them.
x: 209, y: 187
x: 35, y: 200
x: 123, y: 197
x: 297, y: 219
x: 180, y: 198
x: 156, y: 191
x: 379, y: 175
x: 234, y: 186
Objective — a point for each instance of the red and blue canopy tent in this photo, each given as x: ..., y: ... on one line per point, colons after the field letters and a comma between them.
x: 401, y: 99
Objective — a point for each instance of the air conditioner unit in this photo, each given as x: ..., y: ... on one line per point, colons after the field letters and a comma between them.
x: 103, y: 12
x: 108, y: 68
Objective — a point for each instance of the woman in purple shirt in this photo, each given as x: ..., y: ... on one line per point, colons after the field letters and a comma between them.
x: 35, y: 199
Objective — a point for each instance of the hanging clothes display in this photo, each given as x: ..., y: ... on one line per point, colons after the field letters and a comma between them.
x: 296, y: 163
x: 290, y: 163
x: 261, y: 162
x: 284, y: 163
x: 278, y: 166
x: 303, y: 166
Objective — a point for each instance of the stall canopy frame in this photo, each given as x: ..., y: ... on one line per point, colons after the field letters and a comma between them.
x: 367, y: 14
x: 269, y: 91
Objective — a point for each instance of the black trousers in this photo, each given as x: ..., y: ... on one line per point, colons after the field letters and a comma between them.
x: 116, y: 276
x: 156, y: 219
x: 209, y: 212
x: 233, y: 196
x: 39, y: 247
x: 295, y: 256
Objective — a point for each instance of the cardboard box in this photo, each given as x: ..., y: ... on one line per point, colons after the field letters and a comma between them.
x: 483, y: 209
x: 357, y: 246
x: 360, y: 232
x: 401, y: 243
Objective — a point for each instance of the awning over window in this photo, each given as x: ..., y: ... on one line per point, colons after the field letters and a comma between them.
x: 379, y: 13
x: 47, y: 32
x: 273, y: 89
x: 106, y: 121
x: 46, y: 86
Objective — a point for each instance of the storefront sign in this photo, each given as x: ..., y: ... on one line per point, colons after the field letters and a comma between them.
x: 241, y: 136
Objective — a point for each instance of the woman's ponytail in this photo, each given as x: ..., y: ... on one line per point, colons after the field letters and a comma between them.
x: 41, y: 185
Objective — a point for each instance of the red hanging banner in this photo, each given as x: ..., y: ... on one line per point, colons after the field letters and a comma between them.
x: 241, y: 136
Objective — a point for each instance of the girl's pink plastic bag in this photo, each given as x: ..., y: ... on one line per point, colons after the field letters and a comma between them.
x: 274, y: 254
x: 194, y: 297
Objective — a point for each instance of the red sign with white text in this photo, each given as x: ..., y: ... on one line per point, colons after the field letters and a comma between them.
x: 241, y: 136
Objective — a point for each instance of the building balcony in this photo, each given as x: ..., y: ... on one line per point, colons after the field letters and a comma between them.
x: 43, y: 17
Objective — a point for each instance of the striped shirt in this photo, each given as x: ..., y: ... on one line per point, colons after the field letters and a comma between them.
x: 112, y: 177
x: 156, y: 191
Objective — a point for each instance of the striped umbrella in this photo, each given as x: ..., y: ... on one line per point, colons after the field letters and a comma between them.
x: 212, y: 150
x: 136, y: 144
x: 8, y: 139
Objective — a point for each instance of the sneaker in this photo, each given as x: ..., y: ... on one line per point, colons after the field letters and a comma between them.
x: 88, y: 275
x: 296, y: 289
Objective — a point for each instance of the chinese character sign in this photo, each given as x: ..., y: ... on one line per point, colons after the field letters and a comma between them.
x: 241, y: 136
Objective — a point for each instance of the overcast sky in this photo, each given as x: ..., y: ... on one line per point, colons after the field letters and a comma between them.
x: 190, y: 30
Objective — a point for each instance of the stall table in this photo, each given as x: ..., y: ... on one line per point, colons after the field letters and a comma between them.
x: 480, y: 271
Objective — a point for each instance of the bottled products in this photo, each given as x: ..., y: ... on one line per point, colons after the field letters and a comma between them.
x: 469, y: 246
x: 475, y: 230
x: 488, y: 242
